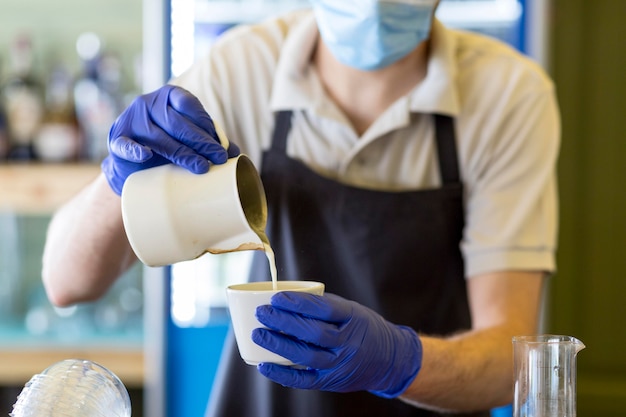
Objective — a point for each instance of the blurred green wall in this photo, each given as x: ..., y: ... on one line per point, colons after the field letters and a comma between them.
x: 588, y: 292
x: 55, y: 26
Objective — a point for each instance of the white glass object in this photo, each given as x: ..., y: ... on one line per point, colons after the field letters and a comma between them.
x: 545, y: 375
x: 73, y: 388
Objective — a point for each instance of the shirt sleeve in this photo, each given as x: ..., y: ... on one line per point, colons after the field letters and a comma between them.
x: 511, y: 204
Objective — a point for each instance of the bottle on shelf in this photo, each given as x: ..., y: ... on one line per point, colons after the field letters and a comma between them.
x: 59, y: 138
x: 4, y: 128
x: 97, y: 105
x: 4, y: 134
x: 22, y: 100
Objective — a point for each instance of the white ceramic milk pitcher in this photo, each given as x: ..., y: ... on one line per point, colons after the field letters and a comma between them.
x: 172, y: 215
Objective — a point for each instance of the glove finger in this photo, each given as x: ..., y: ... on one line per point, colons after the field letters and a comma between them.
x: 291, y: 377
x: 188, y: 105
x: 297, y: 351
x: 186, y: 120
x: 233, y: 150
x: 328, y: 307
x: 163, y: 144
x: 152, y: 137
x: 187, y: 133
x: 179, y: 154
x: 129, y: 150
x: 109, y: 168
x: 205, y: 143
x: 305, y: 328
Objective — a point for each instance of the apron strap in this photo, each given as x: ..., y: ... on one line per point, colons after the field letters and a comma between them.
x: 282, y: 127
x: 444, y: 132
x: 446, y: 149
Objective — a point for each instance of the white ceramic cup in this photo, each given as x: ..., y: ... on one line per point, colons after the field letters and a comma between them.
x: 172, y: 215
x: 243, y: 299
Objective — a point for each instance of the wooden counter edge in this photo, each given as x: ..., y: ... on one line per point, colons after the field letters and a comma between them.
x: 18, y: 366
x: 42, y: 188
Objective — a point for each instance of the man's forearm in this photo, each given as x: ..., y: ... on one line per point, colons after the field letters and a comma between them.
x: 473, y: 370
x: 468, y: 372
x: 86, y: 247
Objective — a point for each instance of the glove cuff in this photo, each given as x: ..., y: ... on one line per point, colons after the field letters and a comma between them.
x: 108, y: 168
x: 408, y: 363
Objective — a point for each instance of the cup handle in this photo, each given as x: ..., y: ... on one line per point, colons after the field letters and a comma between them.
x: 221, y: 135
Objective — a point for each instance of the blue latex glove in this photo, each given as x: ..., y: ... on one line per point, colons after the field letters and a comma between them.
x: 168, y: 125
x: 344, y: 345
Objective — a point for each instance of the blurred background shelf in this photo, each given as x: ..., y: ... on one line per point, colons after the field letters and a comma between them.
x: 79, y: 71
x: 35, y: 334
x: 34, y: 188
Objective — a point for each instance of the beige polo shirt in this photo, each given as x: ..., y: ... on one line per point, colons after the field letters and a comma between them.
x: 506, y: 115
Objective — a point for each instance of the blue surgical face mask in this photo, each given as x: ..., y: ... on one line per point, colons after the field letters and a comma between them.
x: 372, y: 34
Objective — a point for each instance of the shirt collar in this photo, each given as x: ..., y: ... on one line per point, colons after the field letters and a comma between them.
x: 438, y: 93
x: 295, y: 81
x: 297, y: 86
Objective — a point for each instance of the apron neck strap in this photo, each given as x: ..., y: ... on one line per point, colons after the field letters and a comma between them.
x: 446, y: 149
x: 282, y: 126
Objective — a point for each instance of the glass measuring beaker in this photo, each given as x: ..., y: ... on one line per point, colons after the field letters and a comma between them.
x: 545, y: 375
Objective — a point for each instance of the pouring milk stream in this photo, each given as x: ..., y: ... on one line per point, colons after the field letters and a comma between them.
x: 256, y: 215
x: 271, y: 258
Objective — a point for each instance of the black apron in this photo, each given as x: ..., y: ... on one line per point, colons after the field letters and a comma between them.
x: 395, y: 252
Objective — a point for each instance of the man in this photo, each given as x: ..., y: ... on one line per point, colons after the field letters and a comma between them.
x: 409, y: 167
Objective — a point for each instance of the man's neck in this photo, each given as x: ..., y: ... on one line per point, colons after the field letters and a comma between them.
x: 365, y: 95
